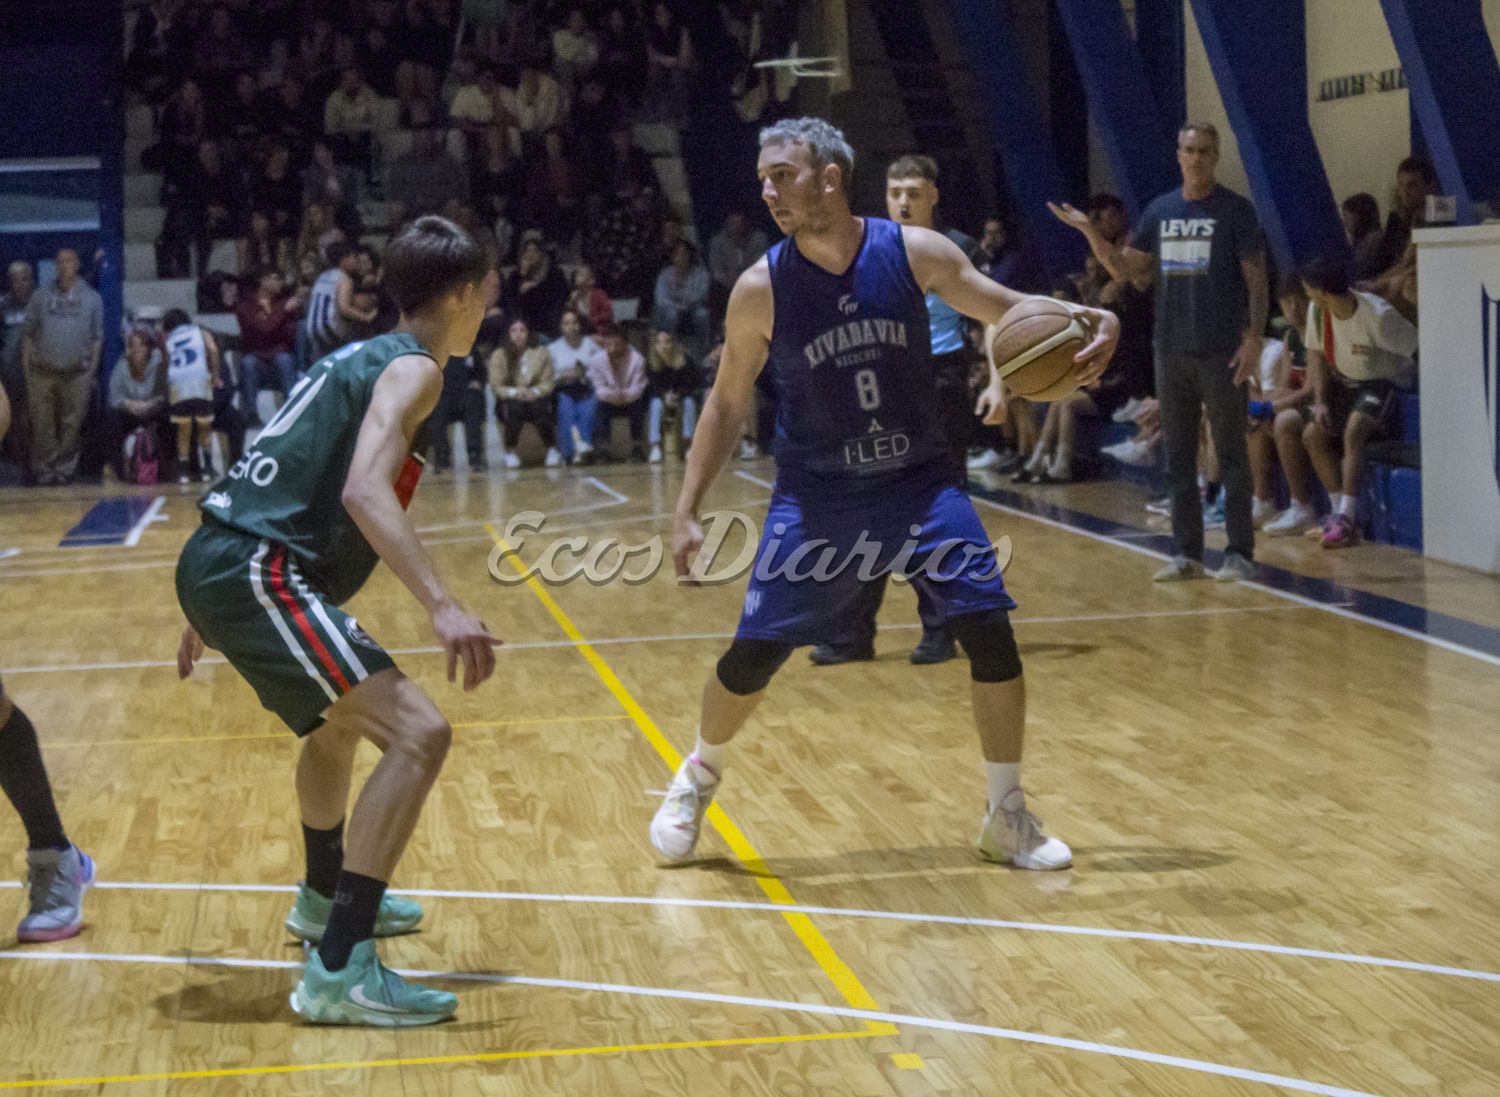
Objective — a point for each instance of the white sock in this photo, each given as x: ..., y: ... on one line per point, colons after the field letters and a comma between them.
x: 711, y: 755
x: 1002, y: 777
x: 1346, y: 505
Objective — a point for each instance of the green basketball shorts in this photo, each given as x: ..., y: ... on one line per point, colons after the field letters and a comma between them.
x: 248, y: 600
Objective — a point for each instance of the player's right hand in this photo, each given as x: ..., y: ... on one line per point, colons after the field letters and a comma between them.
x: 189, y: 651
x: 1322, y: 417
x: 465, y: 638
x: 687, y: 539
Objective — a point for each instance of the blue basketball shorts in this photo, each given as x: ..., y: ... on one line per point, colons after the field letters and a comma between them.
x: 815, y: 554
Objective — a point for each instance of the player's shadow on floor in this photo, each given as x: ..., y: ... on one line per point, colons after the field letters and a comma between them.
x: 873, y: 865
x: 240, y: 997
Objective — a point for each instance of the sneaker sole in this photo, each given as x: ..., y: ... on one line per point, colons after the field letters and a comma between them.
x: 347, y: 1013
x: 313, y: 933
x: 72, y: 929
x: 1012, y: 862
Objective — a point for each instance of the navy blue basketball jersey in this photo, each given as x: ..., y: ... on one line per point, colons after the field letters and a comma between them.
x: 851, y: 362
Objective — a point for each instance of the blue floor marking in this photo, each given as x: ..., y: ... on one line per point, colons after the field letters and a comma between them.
x: 1375, y: 607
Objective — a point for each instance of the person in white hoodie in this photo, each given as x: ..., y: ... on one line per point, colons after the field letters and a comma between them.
x: 572, y: 352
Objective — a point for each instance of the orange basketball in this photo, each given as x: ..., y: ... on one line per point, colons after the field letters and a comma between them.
x: 1034, y: 347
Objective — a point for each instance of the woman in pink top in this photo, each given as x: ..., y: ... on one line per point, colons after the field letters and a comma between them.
x: 619, y: 378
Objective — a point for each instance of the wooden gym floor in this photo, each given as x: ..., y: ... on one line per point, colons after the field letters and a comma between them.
x: 1284, y: 818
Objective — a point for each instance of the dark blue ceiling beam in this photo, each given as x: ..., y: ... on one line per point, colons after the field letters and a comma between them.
x: 1455, y: 93
x: 1020, y: 131
x: 1137, y: 138
x: 1258, y: 53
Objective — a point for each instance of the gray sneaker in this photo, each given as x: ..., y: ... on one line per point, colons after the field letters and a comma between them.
x: 57, y: 879
x: 1236, y: 569
x: 1178, y: 569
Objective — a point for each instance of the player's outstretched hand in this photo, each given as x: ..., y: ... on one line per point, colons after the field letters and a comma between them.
x: 1094, y: 359
x: 990, y: 406
x: 465, y: 638
x: 189, y: 651
x: 687, y: 539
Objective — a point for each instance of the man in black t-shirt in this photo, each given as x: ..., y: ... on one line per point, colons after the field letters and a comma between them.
x: 1202, y: 246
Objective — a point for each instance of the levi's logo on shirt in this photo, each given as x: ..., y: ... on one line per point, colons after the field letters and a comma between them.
x: 1177, y: 228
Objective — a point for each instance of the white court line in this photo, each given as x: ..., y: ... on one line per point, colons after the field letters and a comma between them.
x: 743, y: 475
x: 153, y: 514
x: 573, y: 527
x: 673, y: 637
x: 850, y: 912
x: 97, y: 569
x: 1299, y: 1085
x: 615, y: 500
x: 1336, y: 610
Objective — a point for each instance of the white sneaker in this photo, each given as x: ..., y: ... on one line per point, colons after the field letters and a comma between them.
x: 749, y: 451
x: 1261, y: 512
x: 1060, y: 469
x: 1127, y: 411
x: 1133, y: 451
x: 581, y: 446
x: 554, y: 459
x: 1236, y: 569
x: 987, y: 459
x: 1178, y: 569
x: 1161, y: 506
x: 674, y: 830
x: 512, y: 460
x: 1011, y: 835
x: 1296, y: 519
x: 655, y: 457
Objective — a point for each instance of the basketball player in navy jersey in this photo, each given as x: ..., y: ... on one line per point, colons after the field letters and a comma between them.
x: 836, y: 311
x: 911, y: 198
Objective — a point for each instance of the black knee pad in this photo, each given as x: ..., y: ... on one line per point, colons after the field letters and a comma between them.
x: 990, y: 645
x: 748, y: 665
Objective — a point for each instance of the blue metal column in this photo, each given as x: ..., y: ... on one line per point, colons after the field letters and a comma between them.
x: 1020, y: 131
x: 1455, y: 93
x: 1137, y: 139
x: 1259, y: 57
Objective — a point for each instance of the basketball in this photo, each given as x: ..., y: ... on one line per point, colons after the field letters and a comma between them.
x: 1034, y: 347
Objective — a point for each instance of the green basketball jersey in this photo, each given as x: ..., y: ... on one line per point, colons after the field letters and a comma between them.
x: 288, y: 489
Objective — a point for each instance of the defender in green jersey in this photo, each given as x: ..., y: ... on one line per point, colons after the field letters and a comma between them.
x: 292, y: 532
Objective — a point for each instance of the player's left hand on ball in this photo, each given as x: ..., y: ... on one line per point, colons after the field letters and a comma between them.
x: 687, y: 539
x: 189, y: 651
x: 1094, y: 359
x: 990, y: 406
x: 465, y: 639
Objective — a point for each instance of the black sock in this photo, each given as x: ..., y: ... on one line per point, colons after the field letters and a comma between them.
x: 325, y: 858
x: 24, y: 779
x: 356, y: 902
x: 1211, y: 493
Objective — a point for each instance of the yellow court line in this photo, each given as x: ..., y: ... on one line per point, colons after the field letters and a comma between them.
x: 436, y: 1060
x: 812, y: 939
x: 287, y: 737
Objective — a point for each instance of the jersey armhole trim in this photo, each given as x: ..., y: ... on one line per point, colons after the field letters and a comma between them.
x: 911, y: 275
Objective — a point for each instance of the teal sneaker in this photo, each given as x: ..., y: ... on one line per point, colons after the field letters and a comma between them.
x: 308, y: 918
x: 366, y: 992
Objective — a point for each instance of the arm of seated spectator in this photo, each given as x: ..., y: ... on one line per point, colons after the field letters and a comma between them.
x: 347, y: 307
x: 1121, y: 260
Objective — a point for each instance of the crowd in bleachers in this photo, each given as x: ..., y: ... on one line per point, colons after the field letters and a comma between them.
x: 305, y: 131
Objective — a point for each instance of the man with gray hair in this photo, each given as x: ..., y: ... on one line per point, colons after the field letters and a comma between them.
x: 1202, y: 245
x: 60, y: 348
